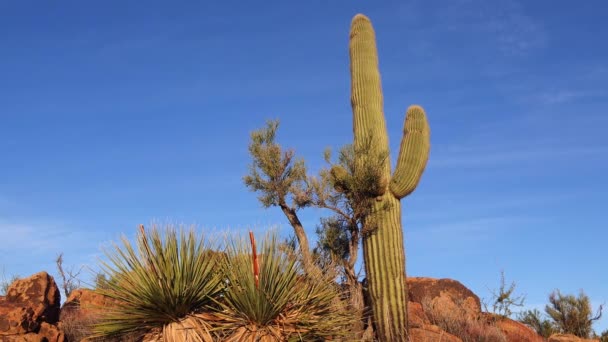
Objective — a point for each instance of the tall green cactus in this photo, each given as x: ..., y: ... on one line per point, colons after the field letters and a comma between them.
x: 383, y: 246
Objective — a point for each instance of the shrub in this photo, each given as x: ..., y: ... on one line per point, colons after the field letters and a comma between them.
x: 284, y: 304
x: 534, y: 319
x: 572, y: 315
x: 69, y: 277
x: 604, y: 336
x: 160, y: 287
x: 6, y: 282
x: 504, y: 299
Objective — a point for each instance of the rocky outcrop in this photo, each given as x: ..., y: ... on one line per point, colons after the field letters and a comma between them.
x: 416, y: 316
x: 86, y: 303
x: 444, y: 295
x: 454, y: 308
x: 569, y: 338
x: 514, y: 331
x: 30, y: 310
x: 431, y: 333
x: 80, y: 311
x: 421, y: 328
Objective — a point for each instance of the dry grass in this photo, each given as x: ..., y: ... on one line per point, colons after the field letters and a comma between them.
x: 78, y: 326
x: 457, y: 323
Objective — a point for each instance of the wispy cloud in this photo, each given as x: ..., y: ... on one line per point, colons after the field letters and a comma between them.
x: 495, y: 156
x: 31, y: 237
x: 562, y: 96
x: 472, y: 228
x: 504, y: 23
x: 449, y: 206
x: 474, y: 236
x: 29, y: 247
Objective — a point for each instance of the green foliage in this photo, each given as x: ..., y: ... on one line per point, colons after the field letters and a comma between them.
x: 333, y: 239
x: 158, y: 285
x: 339, y: 234
x: 604, y: 336
x: 567, y: 314
x: 349, y: 195
x: 572, y: 314
x: 102, y: 281
x: 535, y: 320
x: 504, y: 299
x: 287, y: 305
x: 275, y: 174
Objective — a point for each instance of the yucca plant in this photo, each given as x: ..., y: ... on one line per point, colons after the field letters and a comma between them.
x: 159, y: 286
x: 284, y: 306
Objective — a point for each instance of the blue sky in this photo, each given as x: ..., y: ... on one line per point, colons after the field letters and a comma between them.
x: 117, y: 113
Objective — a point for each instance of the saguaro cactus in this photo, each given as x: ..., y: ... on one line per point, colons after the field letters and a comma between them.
x: 383, y: 250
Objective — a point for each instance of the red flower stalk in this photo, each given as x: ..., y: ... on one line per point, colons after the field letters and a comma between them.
x: 256, y: 265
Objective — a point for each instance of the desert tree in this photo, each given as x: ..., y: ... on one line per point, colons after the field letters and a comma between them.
x: 282, y: 180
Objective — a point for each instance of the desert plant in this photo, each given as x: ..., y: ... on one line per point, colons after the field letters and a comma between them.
x: 281, y: 180
x: 69, y: 277
x: 604, y: 336
x: 277, y: 175
x: 535, y: 320
x: 504, y: 299
x: 383, y: 249
x: 571, y: 314
x: 287, y: 304
x: 101, y: 281
x: 6, y: 282
x: 159, y: 286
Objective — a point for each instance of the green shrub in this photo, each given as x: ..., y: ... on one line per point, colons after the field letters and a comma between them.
x: 572, y: 315
x: 535, y: 320
x: 159, y: 286
x: 285, y: 305
x: 604, y: 336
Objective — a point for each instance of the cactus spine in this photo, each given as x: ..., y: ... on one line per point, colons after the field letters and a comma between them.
x: 383, y: 250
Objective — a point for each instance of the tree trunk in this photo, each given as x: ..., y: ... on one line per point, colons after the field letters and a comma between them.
x: 294, y: 221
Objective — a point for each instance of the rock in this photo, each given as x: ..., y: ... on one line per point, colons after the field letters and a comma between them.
x: 431, y: 333
x: 514, y: 331
x: 444, y: 295
x: 416, y: 316
x: 30, y: 310
x: 80, y: 311
x: 86, y: 302
x: 569, y: 338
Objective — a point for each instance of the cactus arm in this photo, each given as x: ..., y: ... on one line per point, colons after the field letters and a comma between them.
x: 413, y: 154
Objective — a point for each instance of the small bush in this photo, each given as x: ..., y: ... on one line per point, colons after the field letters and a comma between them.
x: 504, y: 299
x: 159, y: 285
x: 572, y: 315
x: 5, y: 283
x: 535, y: 320
x: 604, y: 336
x: 282, y: 305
